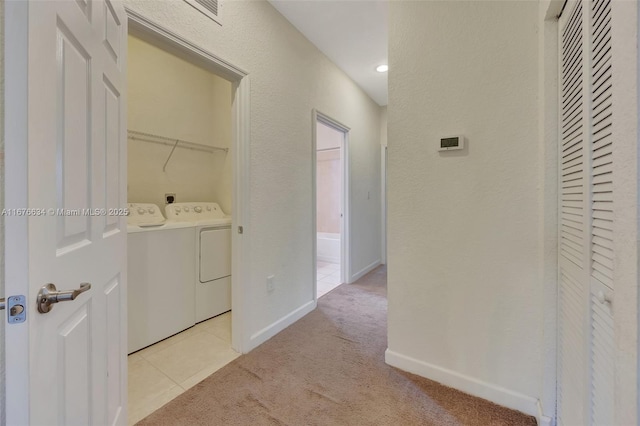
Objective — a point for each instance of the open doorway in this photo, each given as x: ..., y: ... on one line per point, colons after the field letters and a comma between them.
x: 330, y: 184
x: 187, y: 121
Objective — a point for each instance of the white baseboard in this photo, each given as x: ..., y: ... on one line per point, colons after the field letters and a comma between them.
x: 355, y: 277
x: 271, y: 330
x: 470, y: 385
x: 330, y: 259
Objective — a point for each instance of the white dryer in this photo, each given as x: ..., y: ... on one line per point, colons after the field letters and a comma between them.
x: 161, y: 294
x: 213, y: 255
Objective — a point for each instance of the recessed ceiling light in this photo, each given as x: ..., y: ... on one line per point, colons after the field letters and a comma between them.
x: 382, y: 68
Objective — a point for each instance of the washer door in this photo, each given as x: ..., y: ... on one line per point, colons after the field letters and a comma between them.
x: 215, y: 254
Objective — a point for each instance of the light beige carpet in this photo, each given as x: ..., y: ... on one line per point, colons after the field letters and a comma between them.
x: 328, y: 369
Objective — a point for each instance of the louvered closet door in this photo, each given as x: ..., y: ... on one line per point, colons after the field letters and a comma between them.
x: 585, y: 322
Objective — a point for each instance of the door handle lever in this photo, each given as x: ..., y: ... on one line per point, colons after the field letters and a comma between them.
x: 2, y: 304
x: 49, y: 295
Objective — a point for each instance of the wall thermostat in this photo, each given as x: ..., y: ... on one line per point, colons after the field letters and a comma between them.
x: 451, y: 143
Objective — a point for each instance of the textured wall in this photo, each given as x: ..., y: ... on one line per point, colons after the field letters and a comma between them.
x: 2, y: 323
x: 289, y: 77
x: 625, y: 18
x: 169, y: 96
x: 465, y: 276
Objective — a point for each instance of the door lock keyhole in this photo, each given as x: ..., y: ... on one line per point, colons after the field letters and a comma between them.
x: 16, y: 310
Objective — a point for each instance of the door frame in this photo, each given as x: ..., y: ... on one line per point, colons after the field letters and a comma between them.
x: 384, y: 158
x: 16, y: 228
x: 142, y: 27
x: 548, y: 104
x: 345, y: 258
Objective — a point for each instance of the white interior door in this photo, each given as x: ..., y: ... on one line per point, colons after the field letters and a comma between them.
x: 330, y: 135
x: 343, y: 202
x: 68, y: 366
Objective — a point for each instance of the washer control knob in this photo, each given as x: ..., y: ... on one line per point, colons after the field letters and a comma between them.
x: 177, y: 209
x: 197, y: 209
x: 208, y: 208
x: 186, y: 209
x: 140, y: 210
x: 152, y: 210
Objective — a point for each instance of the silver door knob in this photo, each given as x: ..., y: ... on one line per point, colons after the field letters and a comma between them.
x: 49, y: 294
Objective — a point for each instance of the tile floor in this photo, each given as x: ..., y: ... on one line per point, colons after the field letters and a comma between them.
x: 328, y: 277
x: 161, y: 372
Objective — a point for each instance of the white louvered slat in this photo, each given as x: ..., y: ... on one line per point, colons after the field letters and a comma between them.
x: 601, y: 143
x: 572, y: 133
x: 571, y: 216
x: 604, y: 251
x: 605, y: 177
x: 602, y: 366
x: 604, y: 169
x: 603, y: 243
x: 600, y: 276
x: 602, y: 160
x: 574, y: 153
x: 603, y: 233
x: 571, y: 228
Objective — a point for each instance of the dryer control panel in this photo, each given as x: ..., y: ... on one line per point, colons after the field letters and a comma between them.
x: 193, y: 212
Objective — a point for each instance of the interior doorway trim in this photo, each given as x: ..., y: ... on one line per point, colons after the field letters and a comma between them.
x: 345, y: 261
x: 145, y: 29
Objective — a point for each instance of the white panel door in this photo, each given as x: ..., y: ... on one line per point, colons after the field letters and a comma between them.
x: 76, y: 170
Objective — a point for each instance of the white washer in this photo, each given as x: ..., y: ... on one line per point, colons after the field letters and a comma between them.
x: 213, y: 255
x: 161, y: 294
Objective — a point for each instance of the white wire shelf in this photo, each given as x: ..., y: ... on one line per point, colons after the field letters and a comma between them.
x: 172, y: 142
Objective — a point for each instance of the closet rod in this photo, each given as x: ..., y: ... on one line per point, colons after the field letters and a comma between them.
x: 327, y: 149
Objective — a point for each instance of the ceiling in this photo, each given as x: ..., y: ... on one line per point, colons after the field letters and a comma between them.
x: 353, y: 34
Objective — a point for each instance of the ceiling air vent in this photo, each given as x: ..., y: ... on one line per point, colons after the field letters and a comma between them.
x: 209, y: 8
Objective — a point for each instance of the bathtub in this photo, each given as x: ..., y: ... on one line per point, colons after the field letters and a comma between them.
x: 328, y: 247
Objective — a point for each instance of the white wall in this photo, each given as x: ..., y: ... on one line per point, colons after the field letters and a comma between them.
x: 472, y: 235
x: 2, y: 365
x: 466, y: 280
x: 288, y: 78
x: 625, y: 18
x: 171, y: 97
